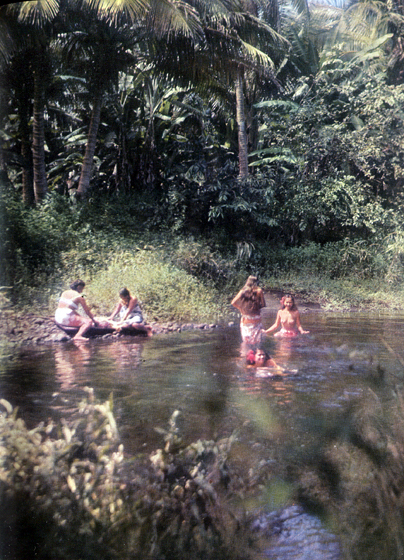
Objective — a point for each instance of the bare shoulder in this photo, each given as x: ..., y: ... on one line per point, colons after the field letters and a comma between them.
x: 69, y: 294
x: 75, y: 296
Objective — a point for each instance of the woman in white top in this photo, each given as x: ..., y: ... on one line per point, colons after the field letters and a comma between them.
x: 67, y: 313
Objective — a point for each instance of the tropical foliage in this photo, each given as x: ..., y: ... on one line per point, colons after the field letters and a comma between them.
x: 255, y: 125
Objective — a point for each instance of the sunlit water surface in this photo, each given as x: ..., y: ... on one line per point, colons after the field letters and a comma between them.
x: 202, y: 374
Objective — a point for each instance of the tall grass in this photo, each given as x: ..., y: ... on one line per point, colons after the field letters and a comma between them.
x: 179, y: 277
x: 166, y: 292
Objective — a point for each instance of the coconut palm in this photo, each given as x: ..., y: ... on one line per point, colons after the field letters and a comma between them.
x: 99, y: 54
x: 26, y: 29
x: 236, y: 45
x: 16, y: 77
x: 108, y: 42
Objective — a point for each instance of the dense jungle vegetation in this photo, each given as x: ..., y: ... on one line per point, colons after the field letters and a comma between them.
x: 175, y: 146
x: 202, y: 141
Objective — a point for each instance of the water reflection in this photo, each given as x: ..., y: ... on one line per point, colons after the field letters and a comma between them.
x: 67, y: 362
x: 201, y: 372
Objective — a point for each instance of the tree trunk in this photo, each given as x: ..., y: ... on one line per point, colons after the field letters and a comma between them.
x: 38, y: 141
x: 28, y: 195
x: 242, y: 132
x: 252, y: 127
x: 86, y: 170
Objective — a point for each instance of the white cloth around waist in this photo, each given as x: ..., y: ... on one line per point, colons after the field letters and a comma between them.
x: 64, y: 315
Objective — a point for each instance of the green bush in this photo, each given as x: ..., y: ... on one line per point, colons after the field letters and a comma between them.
x: 167, y: 293
x: 75, y: 494
x: 34, y: 239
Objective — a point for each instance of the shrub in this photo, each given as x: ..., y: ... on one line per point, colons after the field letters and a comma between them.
x: 166, y: 292
x: 73, y: 479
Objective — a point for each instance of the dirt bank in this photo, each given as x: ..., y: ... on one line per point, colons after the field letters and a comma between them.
x: 39, y: 329
x: 34, y: 329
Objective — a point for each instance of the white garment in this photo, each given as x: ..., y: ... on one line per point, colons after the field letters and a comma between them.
x: 135, y: 316
x: 69, y: 302
x: 64, y: 316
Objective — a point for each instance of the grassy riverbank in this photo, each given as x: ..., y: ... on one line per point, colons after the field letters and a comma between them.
x: 179, y: 276
x: 346, y: 294
x: 185, y: 280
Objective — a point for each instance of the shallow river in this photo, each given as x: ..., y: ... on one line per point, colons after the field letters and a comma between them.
x: 201, y: 374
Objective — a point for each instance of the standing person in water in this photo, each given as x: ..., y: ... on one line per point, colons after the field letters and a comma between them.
x: 130, y: 313
x: 249, y: 301
x: 288, y: 318
x: 67, y: 314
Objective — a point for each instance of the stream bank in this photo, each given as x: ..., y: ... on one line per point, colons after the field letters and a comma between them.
x: 37, y: 329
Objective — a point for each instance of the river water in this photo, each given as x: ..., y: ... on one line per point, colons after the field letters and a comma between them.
x: 201, y: 373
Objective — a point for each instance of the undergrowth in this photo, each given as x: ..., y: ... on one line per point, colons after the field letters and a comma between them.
x: 68, y: 491
x: 179, y: 276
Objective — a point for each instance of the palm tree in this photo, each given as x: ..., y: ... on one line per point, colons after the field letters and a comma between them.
x: 26, y: 29
x: 236, y: 44
x: 99, y: 51
x: 107, y: 43
x: 17, y: 78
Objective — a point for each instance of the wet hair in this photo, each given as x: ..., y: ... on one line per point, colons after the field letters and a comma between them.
x: 124, y: 293
x: 74, y: 285
x: 288, y: 296
x: 250, y: 294
x: 250, y: 358
x: 252, y: 282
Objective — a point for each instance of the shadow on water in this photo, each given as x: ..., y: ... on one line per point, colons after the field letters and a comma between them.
x: 202, y: 374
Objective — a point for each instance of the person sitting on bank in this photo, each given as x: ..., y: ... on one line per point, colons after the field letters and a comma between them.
x: 67, y: 314
x: 130, y: 313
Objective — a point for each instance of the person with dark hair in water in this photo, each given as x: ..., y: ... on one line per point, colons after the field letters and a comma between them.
x: 260, y: 358
x: 249, y: 301
x: 67, y: 314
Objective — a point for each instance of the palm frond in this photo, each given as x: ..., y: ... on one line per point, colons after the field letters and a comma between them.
x: 117, y: 10
x: 257, y: 56
x: 226, y: 13
x: 168, y: 18
x: 301, y: 6
x: 35, y: 12
x: 277, y: 104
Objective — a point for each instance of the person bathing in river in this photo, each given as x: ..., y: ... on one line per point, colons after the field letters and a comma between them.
x: 288, y: 318
x: 67, y: 314
x: 260, y: 358
x: 249, y: 301
x: 129, y: 312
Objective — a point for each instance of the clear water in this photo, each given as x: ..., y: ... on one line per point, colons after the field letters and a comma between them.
x: 202, y: 374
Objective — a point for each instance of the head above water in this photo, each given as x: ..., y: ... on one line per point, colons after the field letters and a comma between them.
x: 261, y: 355
x: 77, y: 284
x: 257, y: 356
x: 286, y: 300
